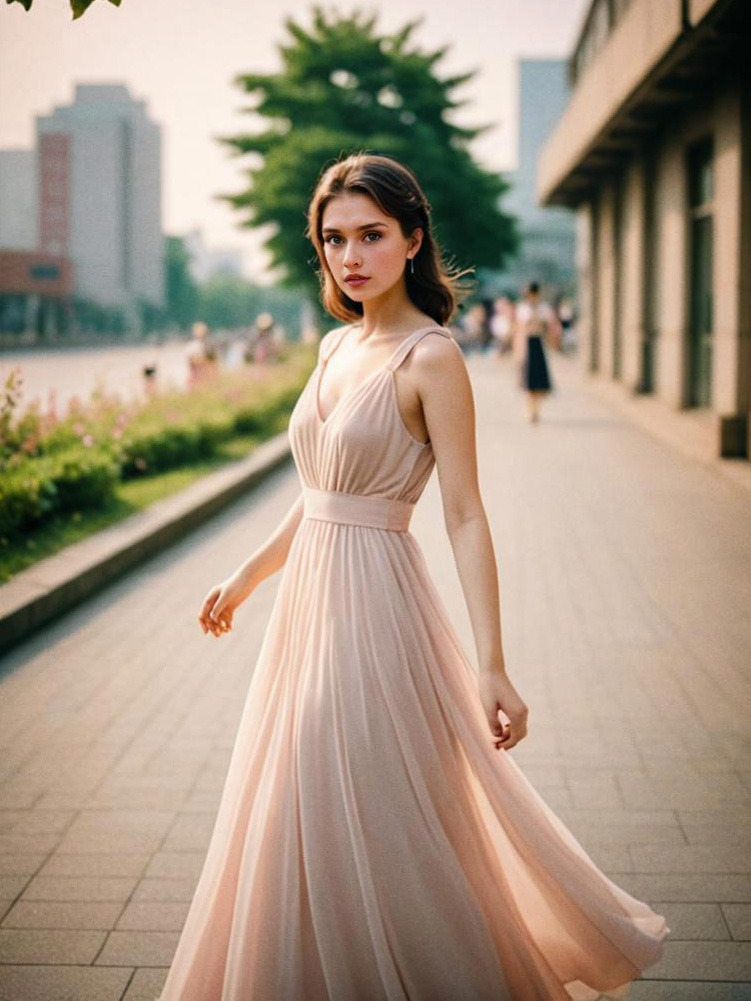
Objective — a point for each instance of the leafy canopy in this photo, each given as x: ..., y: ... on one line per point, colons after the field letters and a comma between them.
x: 78, y: 7
x: 344, y: 88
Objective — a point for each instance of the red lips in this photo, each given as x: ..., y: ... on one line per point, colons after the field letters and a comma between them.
x: 356, y: 278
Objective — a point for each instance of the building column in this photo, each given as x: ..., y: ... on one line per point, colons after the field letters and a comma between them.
x: 732, y: 375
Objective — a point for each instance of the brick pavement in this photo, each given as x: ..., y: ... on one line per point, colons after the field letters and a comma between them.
x: 625, y: 596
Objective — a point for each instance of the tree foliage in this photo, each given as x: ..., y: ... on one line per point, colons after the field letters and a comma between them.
x: 344, y: 88
x: 78, y: 7
x: 182, y: 291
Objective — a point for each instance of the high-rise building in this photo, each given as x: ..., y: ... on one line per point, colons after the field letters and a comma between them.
x: 18, y: 199
x: 100, y: 196
x: 547, y: 234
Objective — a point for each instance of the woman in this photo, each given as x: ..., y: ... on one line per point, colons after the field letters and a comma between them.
x: 535, y: 323
x: 375, y: 839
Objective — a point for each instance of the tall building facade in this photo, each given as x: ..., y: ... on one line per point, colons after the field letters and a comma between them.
x: 654, y: 153
x: 100, y: 196
x: 547, y: 233
x: 18, y: 199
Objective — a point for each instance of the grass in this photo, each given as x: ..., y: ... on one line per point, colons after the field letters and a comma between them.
x: 130, y: 496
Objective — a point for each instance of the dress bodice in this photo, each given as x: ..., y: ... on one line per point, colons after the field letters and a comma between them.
x: 363, y: 446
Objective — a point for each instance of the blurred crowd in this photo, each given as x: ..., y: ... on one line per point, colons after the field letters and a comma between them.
x: 497, y: 325
x: 259, y: 343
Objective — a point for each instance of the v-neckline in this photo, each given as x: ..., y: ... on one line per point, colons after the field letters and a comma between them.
x: 324, y: 421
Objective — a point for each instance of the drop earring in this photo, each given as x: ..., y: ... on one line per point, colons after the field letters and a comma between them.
x: 411, y: 265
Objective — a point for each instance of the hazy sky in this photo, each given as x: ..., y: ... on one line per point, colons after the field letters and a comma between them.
x: 180, y: 57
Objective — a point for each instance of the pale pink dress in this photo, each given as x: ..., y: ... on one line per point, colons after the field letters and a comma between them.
x: 371, y: 844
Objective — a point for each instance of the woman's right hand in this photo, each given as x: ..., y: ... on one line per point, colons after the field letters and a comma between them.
x: 220, y: 604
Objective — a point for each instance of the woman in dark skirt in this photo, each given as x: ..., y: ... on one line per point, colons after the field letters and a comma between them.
x: 535, y: 323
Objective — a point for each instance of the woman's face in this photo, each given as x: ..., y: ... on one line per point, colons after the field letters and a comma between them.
x: 359, y: 239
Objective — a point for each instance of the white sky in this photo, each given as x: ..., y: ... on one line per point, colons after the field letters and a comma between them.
x: 180, y: 57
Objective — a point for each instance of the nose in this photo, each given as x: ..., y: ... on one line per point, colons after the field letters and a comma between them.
x: 351, y: 256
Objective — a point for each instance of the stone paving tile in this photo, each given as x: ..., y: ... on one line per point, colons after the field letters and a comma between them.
x: 63, y: 983
x: 174, y: 865
x: 738, y: 917
x: 95, y: 865
x: 140, y: 916
x: 682, y: 990
x: 92, y: 888
x: 146, y: 985
x: 690, y: 858
x: 718, y: 887
x: 695, y: 921
x: 75, y: 948
x: 70, y: 915
x: 138, y: 948
x: 624, y: 588
x: 704, y: 961
x: 165, y: 889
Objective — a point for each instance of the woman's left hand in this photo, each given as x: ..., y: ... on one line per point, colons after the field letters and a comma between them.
x: 498, y: 694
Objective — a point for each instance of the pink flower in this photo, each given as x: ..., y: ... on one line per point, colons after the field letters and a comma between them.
x: 88, y: 440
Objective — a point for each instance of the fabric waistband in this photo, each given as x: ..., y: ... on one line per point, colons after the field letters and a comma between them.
x: 357, y: 509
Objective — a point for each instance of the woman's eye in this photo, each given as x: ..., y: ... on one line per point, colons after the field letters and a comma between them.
x: 330, y: 239
x: 376, y: 235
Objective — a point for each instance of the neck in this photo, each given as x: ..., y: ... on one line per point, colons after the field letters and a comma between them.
x: 391, y: 313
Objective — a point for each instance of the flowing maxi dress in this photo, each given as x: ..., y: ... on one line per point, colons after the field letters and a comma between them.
x: 371, y: 844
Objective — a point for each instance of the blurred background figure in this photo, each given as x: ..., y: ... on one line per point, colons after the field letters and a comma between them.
x: 266, y: 340
x: 501, y: 323
x: 201, y: 354
x: 149, y: 371
x: 566, y: 318
x: 535, y: 324
x: 475, y: 328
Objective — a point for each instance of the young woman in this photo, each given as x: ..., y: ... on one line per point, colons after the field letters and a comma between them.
x: 535, y: 324
x: 375, y: 840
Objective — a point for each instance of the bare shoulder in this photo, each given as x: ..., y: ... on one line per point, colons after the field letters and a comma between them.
x: 329, y: 337
x: 438, y: 357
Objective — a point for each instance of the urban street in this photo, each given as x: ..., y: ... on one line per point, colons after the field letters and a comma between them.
x: 625, y: 594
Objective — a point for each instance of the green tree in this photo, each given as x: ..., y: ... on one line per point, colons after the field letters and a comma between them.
x: 227, y: 301
x: 344, y: 88
x: 182, y: 291
x: 78, y: 7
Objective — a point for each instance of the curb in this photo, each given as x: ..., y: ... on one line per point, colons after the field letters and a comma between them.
x: 58, y: 583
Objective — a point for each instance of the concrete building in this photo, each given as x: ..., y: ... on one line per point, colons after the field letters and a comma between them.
x: 654, y: 153
x: 547, y: 234
x: 18, y: 199
x: 100, y: 196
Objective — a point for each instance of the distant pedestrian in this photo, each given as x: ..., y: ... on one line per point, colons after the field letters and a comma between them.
x: 266, y: 339
x: 535, y: 324
x: 501, y: 323
x: 566, y: 317
x: 201, y: 353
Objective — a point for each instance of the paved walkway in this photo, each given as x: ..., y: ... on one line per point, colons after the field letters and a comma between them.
x: 625, y: 593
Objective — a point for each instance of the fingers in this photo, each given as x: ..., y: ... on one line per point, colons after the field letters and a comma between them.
x: 511, y: 733
x: 210, y: 618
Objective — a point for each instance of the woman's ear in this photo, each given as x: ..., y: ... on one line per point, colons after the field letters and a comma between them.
x: 415, y: 241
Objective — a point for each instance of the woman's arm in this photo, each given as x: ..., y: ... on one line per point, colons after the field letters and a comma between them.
x: 224, y: 599
x: 445, y: 391
x: 272, y: 555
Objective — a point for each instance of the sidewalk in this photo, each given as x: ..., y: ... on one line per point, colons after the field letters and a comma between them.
x: 625, y: 596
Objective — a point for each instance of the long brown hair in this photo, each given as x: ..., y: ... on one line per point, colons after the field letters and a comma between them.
x: 396, y: 191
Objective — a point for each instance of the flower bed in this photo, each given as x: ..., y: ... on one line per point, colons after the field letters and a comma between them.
x: 50, y: 464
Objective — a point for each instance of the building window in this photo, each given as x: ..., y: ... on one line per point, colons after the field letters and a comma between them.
x: 700, y: 186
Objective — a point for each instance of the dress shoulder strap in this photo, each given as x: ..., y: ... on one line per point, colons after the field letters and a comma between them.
x: 409, y: 342
x: 327, y: 347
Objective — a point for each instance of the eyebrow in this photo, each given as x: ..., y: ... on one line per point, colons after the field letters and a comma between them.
x: 367, y: 225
